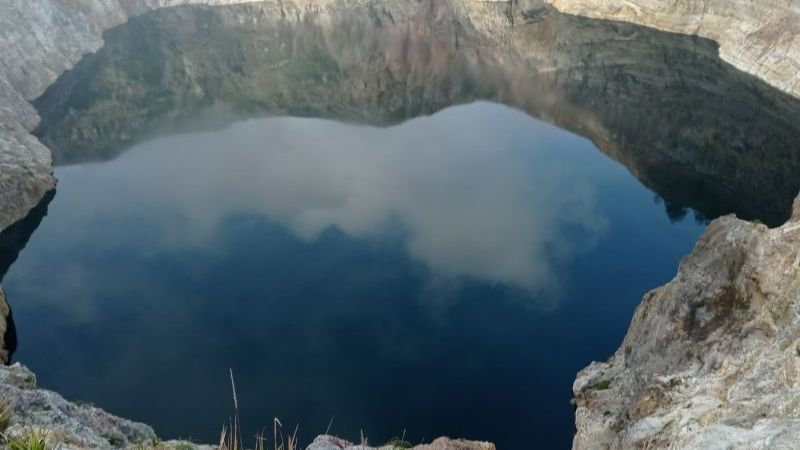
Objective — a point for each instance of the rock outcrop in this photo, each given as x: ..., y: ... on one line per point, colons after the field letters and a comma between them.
x: 325, y: 442
x: 69, y: 425
x: 711, y: 359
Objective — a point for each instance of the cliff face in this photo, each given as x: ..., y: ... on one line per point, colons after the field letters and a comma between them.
x: 662, y: 104
x: 759, y: 37
x: 711, y: 359
x: 41, y: 40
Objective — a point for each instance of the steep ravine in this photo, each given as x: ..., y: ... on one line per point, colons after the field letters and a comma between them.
x: 710, y: 359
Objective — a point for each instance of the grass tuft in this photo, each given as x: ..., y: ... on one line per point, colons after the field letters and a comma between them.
x: 230, y: 437
x: 397, y: 442
x: 6, y: 408
x: 601, y: 385
x: 33, y: 439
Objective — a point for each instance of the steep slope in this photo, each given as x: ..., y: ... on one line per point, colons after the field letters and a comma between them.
x: 711, y: 359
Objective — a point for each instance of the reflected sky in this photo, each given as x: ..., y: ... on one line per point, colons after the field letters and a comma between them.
x: 444, y: 276
x: 471, y: 200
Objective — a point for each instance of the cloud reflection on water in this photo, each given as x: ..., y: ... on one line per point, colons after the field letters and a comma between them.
x: 476, y: 189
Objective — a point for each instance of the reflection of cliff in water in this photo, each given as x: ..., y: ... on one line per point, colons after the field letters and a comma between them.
x: 689, y: 126
x: 12, y: 240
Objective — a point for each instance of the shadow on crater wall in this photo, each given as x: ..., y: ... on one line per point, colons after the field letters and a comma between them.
x: 12, y: 241
x: 699, y: 133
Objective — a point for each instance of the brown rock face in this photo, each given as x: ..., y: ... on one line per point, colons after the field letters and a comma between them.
x: 711, y: 357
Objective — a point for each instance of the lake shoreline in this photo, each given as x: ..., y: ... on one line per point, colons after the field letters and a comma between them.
x: 72, y: 425
x: 634, y: 399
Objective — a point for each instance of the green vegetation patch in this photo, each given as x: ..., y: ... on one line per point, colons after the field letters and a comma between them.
x: 601, y: 385
x: 397, y: 442
x: 33, y: 439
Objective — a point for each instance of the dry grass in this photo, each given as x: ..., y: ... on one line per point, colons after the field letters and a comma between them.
x: 33, y: 439
x: 6, y: 408
x: 230, y: 437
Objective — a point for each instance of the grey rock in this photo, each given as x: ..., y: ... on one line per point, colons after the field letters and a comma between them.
x: 70, y: 424
x: 710, y: 359
x: 326, y: 442
x: 26, y: 172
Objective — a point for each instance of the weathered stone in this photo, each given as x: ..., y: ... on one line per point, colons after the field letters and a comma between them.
x: 710, y: 359
x: 69, y: 424
x: 73, y: 426
x: 25, y: 172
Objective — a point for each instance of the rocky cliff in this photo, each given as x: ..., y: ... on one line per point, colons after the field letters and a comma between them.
x: 711, y: 359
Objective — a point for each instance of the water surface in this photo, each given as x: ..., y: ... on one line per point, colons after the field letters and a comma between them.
x: 445, y: 276
x: 373, y: 217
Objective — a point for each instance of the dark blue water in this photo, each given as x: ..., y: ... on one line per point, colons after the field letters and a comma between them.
x: 446, y: 276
